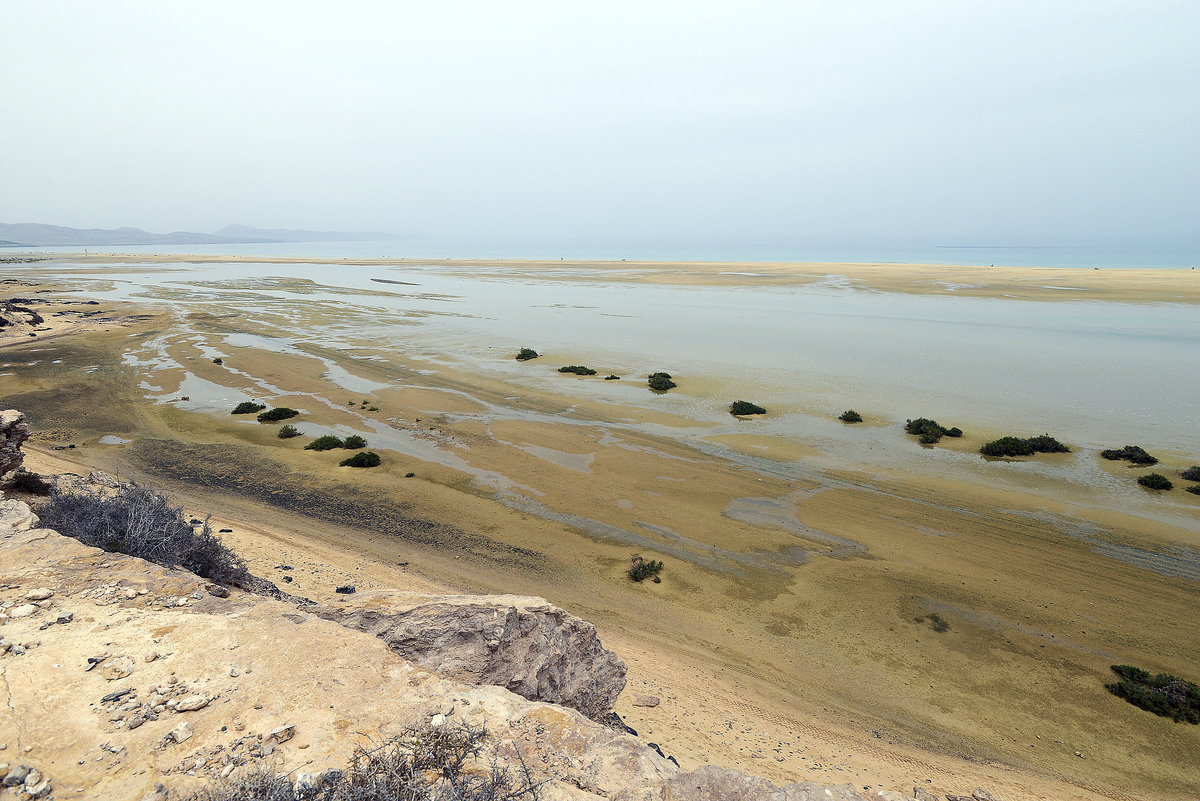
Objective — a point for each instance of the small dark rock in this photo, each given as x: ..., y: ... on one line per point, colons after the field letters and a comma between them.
x: 116, y: 695
x: 217, y: 590
x: 346, y: 589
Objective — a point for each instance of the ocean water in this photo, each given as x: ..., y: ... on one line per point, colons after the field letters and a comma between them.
x: 1082, y: 255
x: 1095, y: 374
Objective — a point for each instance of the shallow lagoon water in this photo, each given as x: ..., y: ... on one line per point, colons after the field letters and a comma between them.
x: 1088, y: 372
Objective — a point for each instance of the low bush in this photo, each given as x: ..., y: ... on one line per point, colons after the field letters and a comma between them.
x: 1023, y: 446
x: 929, y: 431
x: 326, y: 442
x: 936, y: 622
x: 850, y: 416
x: 1155, y: 481
x: 660, y: 382
x: 1130, y: 453
x: 22, y: 480
x: 577, y: 369
x: 612, y: 378
x: 1191, y: 474
x: 741, y: 407
x: 276, y: 414
x: 641, y: 569
x: 248, y: 407
x: 287, y: 431
x: 218, y: 360
x: 418, y: 764
x: 525, y: 354
x: 361, y: 459
x: 1194, y: 489
x: 1165, y: 695
x: 354, y: 442
x: 141, y: 522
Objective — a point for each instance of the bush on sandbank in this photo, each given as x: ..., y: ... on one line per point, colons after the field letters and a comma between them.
x: 741, y: 408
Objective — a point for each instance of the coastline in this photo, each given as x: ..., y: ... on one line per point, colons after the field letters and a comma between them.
x: 826, y: 647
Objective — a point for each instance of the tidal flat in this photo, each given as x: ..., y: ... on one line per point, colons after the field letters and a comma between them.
x: 799, y: 550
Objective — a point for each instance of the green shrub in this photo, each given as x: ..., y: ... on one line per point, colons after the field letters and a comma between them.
x: 850, y: 416
x: 354, y: 442
x: 287, y: 431
x: 1194, y: 489
x: 1027, y: 446
x: 577, y: 369
x: 1130, y: 453
x: 929, y: 431
x: 1192, y: 473
x: 276, y: 414
x: 1155, y: 481
x: 361, y: 459
x: 612, y: 378
x: 326, y: 442
x: 1165, y: 695
x: 248, y: 407
x: 525, y: 354
x: 641, y: 569
x: 660, y: 382
x: 741, y: 407
x: 141, y: 522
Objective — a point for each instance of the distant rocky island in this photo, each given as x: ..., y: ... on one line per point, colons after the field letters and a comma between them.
x: 40, y: 235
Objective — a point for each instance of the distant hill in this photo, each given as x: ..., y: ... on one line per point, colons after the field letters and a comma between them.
x: 4, y: 243
x: 37, y: 234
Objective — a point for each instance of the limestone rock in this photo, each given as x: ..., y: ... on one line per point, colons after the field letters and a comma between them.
x: 182, y: 732
x: 283, y: 733
x: 16, y: 516
x: 13, y: 433
x: 190, y: 703
x: 40, y: 594
x: 24, y: 610
x: 921, y: 794
x: 646, y: 700
x: 118, y: 668
x: 980, y: 794
x: 523, y: 644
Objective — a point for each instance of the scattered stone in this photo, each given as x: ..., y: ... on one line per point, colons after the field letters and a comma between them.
x: 16, y: 776
x: 40, y: 594
x: 24, y: 610
x: 217, y: 590
x: 118, y: 668
x: 225, y: 531
x: 151, y: 656
x: 345, y: 589
x: 191, y: 703
x: 181, y: 733
x: 283, y: 733
x: 95, y: 660
x: 65, y: 617
x: 159, y: 793
x: 646, y: 700
x: 116, y: 695
x: 980, y: 794
x: 921, y: 794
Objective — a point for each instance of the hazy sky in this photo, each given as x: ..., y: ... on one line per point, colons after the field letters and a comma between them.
x: 954, y: 120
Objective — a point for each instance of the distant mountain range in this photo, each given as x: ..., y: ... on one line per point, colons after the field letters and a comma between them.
x: 38, y: 235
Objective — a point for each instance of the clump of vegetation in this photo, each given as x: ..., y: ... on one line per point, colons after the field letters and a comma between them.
x: 1194, y: 489
x: 418, y: 764
x: 641, y: 569
x: 936, y: 622
x: 372, y: 408
x: 928, y: 431
x: 354, y: 442
x: 287, y: 431
x: 248, y: 407
x: 1165, y: 695
x: 660, y: 382
x: 361, y: 459
x: 1130, y: 453
x: 276, y: 414
x: 1155, y: 481
x: 612, y: 378
x: 850, y: 416
x: 525, y: 354
x: 741, y: 407
x: 326, y: 442
x: 577, y: 369
x: 1191, y: 474
x: 218, y: 360
x: 141, y: 522
x: 22, y: 480
x: 1027, y: 446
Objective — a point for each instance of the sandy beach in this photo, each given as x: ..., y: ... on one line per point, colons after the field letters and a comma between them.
x: 784, y: 638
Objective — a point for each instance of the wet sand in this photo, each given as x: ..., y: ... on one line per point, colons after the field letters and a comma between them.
x: 783, y: 638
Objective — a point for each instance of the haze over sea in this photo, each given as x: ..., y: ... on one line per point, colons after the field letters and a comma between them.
x: 813, y: 249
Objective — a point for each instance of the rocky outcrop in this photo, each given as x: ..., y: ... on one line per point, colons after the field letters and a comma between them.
x: 13, y: 433
x: 524, y: 645
x: 123, y: 676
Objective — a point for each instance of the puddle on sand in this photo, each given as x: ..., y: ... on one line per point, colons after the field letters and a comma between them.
x: 113, y: 439
x: 781, y: 513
